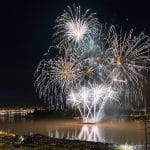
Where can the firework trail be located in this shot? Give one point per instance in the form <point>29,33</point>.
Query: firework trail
<point>91,101</point>
<point>92,66</point>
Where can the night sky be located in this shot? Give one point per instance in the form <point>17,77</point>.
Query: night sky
<point>27,26</point>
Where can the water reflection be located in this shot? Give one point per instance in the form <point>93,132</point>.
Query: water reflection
<point>110,132</point>
<point>11,118</point>
<point>89,133</point>
<point>95,133</point>
<point>85,133</point>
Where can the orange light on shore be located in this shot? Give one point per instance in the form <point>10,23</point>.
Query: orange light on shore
<point>6,133</point>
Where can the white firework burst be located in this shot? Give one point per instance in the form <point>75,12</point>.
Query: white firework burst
<point>91,101</point>
<point>75,26</point>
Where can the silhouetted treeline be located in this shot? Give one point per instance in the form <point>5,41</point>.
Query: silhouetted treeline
<point>68,113</point>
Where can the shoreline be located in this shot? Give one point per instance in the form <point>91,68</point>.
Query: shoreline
<point>42,142</point>
<point>10,141</point>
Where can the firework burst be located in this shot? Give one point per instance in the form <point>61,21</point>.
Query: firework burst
<point>129,56</point>
<point>66,72</point>
<point>91,101</point>
<point>92,66</point>
<point>56,76</point>
<point>128,59</point>
<point>75,26</point>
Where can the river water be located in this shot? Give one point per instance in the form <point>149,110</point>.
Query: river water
<point>118,132</point>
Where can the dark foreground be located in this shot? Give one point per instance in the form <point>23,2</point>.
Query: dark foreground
<point>40,142</point>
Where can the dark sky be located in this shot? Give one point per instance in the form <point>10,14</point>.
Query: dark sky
<point>26,27</point>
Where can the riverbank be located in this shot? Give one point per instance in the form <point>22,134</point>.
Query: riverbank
<point>41,142</point>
